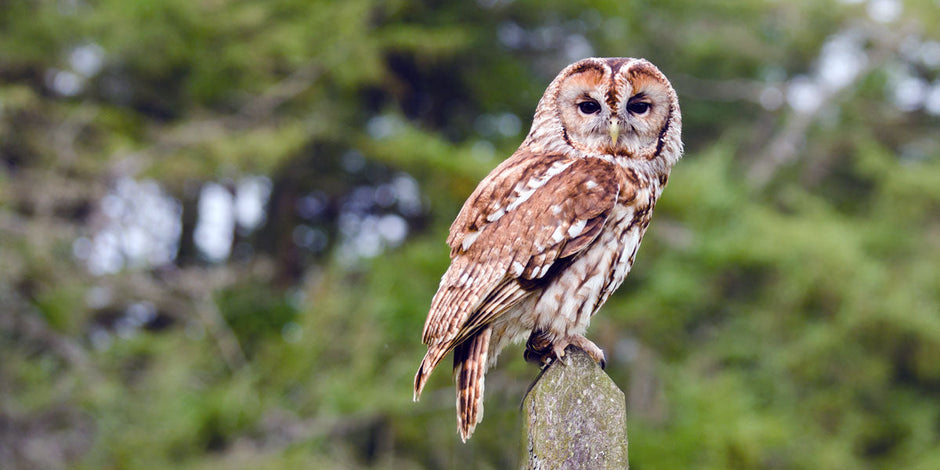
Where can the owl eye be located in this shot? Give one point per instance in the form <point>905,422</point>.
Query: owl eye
<point>638,107</point>
<point>589,107</point>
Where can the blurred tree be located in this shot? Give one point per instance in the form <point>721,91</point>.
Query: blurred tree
<point>221,223</point>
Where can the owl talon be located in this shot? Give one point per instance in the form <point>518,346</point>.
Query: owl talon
<point>559,351</point>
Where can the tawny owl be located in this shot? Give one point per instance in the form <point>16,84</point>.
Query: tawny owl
<point>552,231</point>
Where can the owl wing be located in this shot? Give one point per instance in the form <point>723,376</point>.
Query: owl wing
<point>526,221</point>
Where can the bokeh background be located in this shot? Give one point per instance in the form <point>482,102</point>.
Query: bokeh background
<point>222,221</point>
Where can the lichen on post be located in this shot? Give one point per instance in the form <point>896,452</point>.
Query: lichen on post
<point>575,417</point>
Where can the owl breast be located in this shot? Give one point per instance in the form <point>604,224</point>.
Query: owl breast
<point>566,305</point>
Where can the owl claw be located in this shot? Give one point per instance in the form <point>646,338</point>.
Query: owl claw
<point>559,350</point>
<point>542,350</point>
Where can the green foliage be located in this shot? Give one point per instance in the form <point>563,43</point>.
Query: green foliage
<point>254,312</point>
<point>785,321</point>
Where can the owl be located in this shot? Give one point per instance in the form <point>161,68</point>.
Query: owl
<point>553,230</point>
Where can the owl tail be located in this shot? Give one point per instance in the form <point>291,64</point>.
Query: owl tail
<point>469,366</point>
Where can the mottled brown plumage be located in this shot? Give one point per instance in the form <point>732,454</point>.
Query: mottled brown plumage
<point>552,231</point>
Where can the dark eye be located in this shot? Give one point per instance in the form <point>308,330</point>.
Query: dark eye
<point>638,107</point>
<point>589,107</point>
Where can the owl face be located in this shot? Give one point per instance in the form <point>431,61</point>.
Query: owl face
<point>617,106</point>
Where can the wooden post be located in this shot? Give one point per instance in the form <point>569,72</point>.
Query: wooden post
<point>575,417</point>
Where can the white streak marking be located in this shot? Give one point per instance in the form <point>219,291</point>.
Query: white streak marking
<point>537,183</point>
<point>517,268</point>
<point>590,184</point>
<point>524,196</point>
<point>468,240</point>
<point>576,229</point>
<point>556,209</point>
<point>558,235</point>
<point>494,216</point>
<point>629,243</point>
<point>545,269</point>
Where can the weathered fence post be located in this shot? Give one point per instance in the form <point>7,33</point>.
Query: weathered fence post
<point>575,417</point>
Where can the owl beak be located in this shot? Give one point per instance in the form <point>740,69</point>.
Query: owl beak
<point>614,131</point>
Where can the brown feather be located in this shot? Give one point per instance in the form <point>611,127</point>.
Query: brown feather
<point>556,205</point>
<point>469,368</point>
<point>430,361</point>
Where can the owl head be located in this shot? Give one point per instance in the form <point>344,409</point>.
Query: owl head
<point>622,107</point>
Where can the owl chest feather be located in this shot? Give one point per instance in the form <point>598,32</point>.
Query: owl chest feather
<point>568,303</point>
